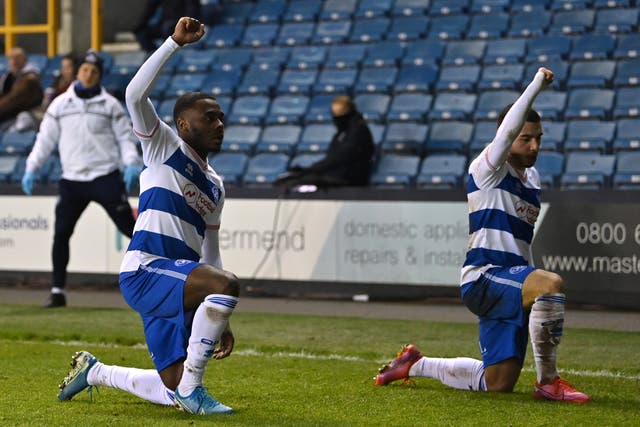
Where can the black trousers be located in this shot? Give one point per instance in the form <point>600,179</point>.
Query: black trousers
<point>73,199</point>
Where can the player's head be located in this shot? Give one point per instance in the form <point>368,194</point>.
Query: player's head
<point>342,107</point>
<point>198,118</point>
<point>524,150</point>
<point>90,69</point>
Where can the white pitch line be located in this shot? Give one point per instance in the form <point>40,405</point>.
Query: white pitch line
<point>302,354</point>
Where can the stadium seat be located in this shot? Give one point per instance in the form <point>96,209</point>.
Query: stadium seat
<point>458,78</point>
<point>490,6</point>
<point>259,81</point>
<point>572,22</point>
<point>453,106</point>
<point>14,142</point>
<point>416,78</point>
<point>338,10</point>
<point>128,62</point>
<point>627,137</point>
<point>553,135</point>
<point>409,107</point>
<point>241,138</point>
<point>373,106</point>
<point>7,165</point>
<point>165,110</point>
<point>589,135</point>
<point>529,5</point>
<point>263,169</point>
<point>346,56</point>
<point>448,27</point>
<point>616,20</point>
<point>221,82</point>
<point>441,172</point>
<point>378,132</point>
<point>376,80</point>
<point>550,166</point>
<point>297,81</point>
<point>304,57</point>
<point>560,72</point>
<point>448,7</point>
<point>271,56</point>
<point>627,47</point>
<point>287,109</point>
<point>257,35</point>
<point>569,5</point>
<point>332,32</point>
<point>404,137</point>
<point>224,35</point>
<point>410,7</point>
<point>18,172</point>
<point>395,171</point>
<point>316,138</point>
<point>265,12</point>
<point>295,33</point>
<point>183,83</point>
<point>54,171</point>
<point>545,47</point>
<point>230,166</point>
<point>449,137</point>
<point>483,134</point>
<point>530,23</point>
<point>488,25</point>
<point>279,139</point>
<point>602,4</point>
<point>592,47</point>
<point>369,30</point>
<point>319,108</point>
<point>424,52</point>
<point>232,59</point>
<point>627,176</point>
<point>551,104</point>
<point>236,12</point>
<point>302,11</point>
<point>466,52</point>
<point>627,73</point>
<point>249,110</point>
<point>407,28</point>
<point>491,103</point>
<point>505,51</point>
<point>587,171</point>
<point>497,77</point>
<point>160,87</point>
<point>590,104</point>
<point>591,74</point>
<point>385,54</point>
<point>305,160</point>
<point>335,81</point>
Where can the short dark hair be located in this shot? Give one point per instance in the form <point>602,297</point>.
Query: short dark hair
<point>532,115</point>
<point>186,101</point>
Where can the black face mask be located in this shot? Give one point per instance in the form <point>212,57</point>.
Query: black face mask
<point>341,122</point>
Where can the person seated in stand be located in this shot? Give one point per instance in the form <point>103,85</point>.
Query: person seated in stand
<point>20,93</point>
<point>158,19</point>
<point>62,81</point>
<point>349,159</point>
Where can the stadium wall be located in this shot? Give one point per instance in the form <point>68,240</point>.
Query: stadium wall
<point>399,247</point>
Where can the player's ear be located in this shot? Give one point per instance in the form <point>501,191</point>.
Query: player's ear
<point>182,125</point>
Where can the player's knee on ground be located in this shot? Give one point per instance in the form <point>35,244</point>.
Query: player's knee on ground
<point>554,284</point>
<point>231,285</point>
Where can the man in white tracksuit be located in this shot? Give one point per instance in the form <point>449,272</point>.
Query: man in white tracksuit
<point>94,138</point>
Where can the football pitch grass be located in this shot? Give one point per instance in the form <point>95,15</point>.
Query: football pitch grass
<point>294,370</point>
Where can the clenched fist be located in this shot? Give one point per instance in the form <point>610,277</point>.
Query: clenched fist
<point>188,30</point>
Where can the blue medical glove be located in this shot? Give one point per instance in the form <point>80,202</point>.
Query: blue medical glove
<point>131,175</point>
<point>28,179</point>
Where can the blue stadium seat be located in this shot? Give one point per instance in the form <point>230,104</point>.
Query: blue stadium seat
<point>597,74</point>
<point>229,59</point>
<point>241,138</point>
<point>531,23</point>
<point>404,137</point>
<point>302,11</point>
<point>627,138</point>
<point>319,108</point>
<point>19,170</point>
<point>221,82</point>
<point>297,81</point>
<point>165,110</point>
<point>416,78</point>
<point>616,20</point>
<point>505,51</point>
<point>627,176</point>
<point>332,32</point>
<point>395,171</point>
<point>458,78</point>
<point>407,28</point>
<point>448,7</point>
<point>551,104</point>
<point>236,12</point>
<point>53,170</point>
<point>466,52</point>
<point>183,83</point>
<point>195,61</point>
<point>230,166</point>
<point>483,134</point>
<point>305,160</point>
<point>553,135</point>
<point>316,138</point>
<point>225,103</point>
<point>259,81</point>
<point>488,25</point>
<point>627,73</point>
<point>627,46</point>
<point>8,165</point>
<point>410,7</point>
<point>589,135</point>
<point>128,62</point>
<point>373,106</point>
<point>335,80</point>
<point>547,47</point>
<point>378,80</point>
<point>295,33</point>
<point>441,172</point>
<point>449,137</point>
<point>448,27</point>
<point>559,67</point>
<point>590,104</point>
<point>490,6</point>
<point>453,106</point>
<point>14,142</point>
<point>260,34</point>
<point>378,132</point>
<point>550,167</point>
<point>587,171</point>
<point>369,30</point>
<point>385,54</point>
<point>224,35</point>
<point>409,107</point>
<point>289,109</point>
<point>424,52</point>
<point>265,12</point>
<point>572,22</point>
<point>627,103</point>
<point>249,110</point>
<point>500,77</point>
<point>491,103</point>
<point>279,139</point>
<point>159,89</point>
<point>270,56</point>
<point>304,57</point>
<point>570,5</point>
<point>263,169</point>
<point>592,47</point>
<point>346,56</point>
<point>529,5</point>
<point>338,10</point>
<point>602,4</point>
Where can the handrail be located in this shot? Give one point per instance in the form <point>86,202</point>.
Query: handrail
<point>10,28</point>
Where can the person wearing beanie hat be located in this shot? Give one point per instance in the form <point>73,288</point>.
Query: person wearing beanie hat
<point>93,135</point>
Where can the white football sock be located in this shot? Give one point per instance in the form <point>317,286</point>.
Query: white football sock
<point>545,329</point>
<point>462,373</point>
<point>144,383</point>
<point>210,320</point>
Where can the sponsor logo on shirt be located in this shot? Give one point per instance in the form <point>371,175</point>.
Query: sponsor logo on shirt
<point>197,200</point>
<point>527,212</point>
<point>181,262</point>
<point>517,269</point>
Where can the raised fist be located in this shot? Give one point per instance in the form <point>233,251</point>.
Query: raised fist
<point>188,30</point>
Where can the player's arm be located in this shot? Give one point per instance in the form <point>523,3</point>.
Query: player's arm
<point>511,126</point>
<point>121,127</point>
<point>211,248</point>
<point>46,141</point>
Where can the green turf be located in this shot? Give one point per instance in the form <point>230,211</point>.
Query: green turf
<point>303,370</point>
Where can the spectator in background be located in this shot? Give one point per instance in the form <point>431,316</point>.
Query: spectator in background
<point>348,160</point>
<point>62,81</point>
<point>159,19</point>
<point>21,92</point>
<point>94,138</point>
